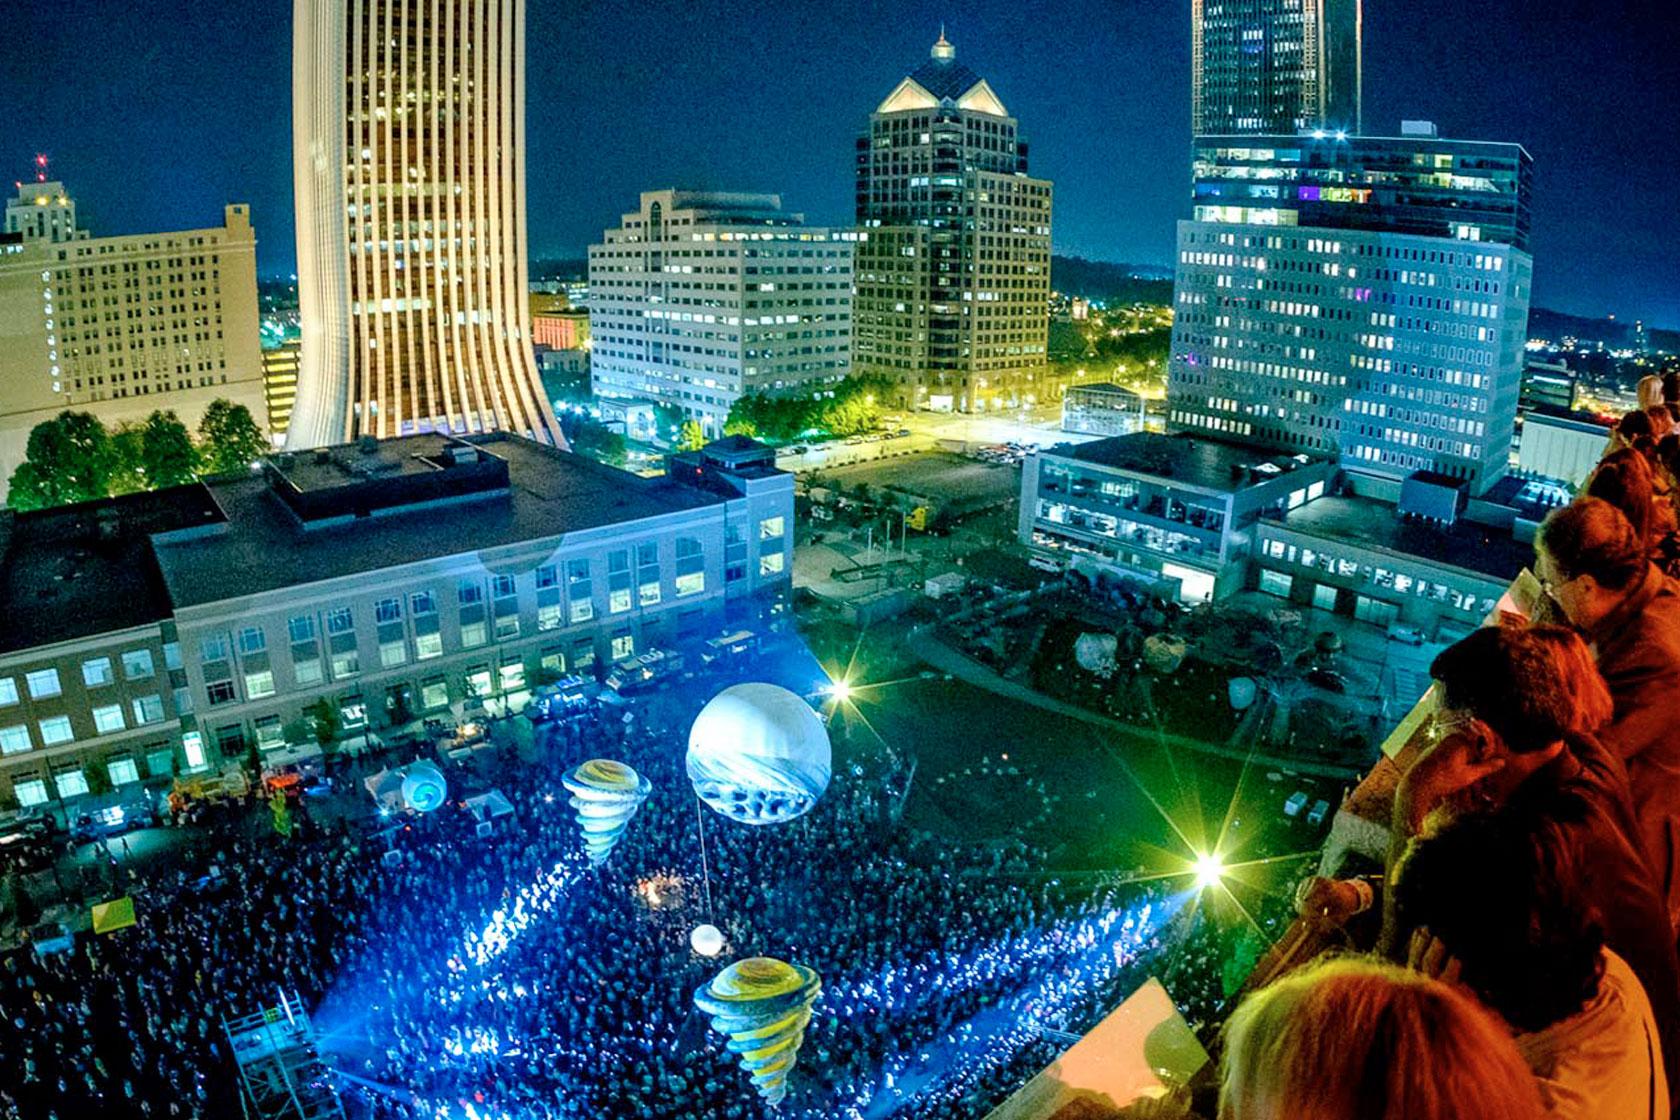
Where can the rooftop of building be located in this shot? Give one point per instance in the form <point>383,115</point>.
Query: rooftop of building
<point>1340,142</point>
<point>1190,459</point>
<point>1104,388</point>
<point>1370,523</point>
<point>544,493</point>
<point>1568,418</point>
<point>88,568</point>
<point>942,80</point>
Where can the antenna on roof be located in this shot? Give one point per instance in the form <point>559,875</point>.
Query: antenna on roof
<point>40,168</point>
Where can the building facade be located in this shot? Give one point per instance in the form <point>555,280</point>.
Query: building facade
<point>1102,409</point>
<point>42,211</point>
<point>1382,318</point>
<point>1270,66</point>
<point>701,297</point>
<point>1177,508</point>
<point>1560,444</point>
<point>953,283</point>
<point>124,326</point>
<point>409,175</point>
<point>280,378</point>
<point>169,632</point>
<point>1354,556</point>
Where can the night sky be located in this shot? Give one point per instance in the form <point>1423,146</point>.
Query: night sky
<point>156,113</point>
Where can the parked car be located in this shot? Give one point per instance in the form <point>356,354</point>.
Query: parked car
<point>1410,635</point>
<point>113,820</point>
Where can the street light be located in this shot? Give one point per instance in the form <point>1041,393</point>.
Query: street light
<point>1210,870</point>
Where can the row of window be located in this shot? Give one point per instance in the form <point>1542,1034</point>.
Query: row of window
<point>43,684</point>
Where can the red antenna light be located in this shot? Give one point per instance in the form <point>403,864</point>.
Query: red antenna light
<point>40,168</point>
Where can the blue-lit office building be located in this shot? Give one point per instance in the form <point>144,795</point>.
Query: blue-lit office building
<point>1360,297</point>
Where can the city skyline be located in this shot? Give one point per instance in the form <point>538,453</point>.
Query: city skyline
<point>694,107</point>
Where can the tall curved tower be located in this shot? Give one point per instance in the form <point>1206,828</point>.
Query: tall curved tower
<point>408,132</point>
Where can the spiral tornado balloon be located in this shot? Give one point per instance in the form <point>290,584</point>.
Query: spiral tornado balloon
<point>763,1005</point>
<point>606,794</point>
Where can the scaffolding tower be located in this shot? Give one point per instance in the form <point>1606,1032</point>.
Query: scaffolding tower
<point>280,1067</point>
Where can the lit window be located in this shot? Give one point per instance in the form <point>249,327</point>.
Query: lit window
<point>108,718</point>
<point>771,563</point>
<point>70,783</point>
<point>14,740</point>
<point>259,684</point>
<point>30,793</point>
<point>513,676</point>
<point>137,664</point>
<point>427,646</point>
<point>8,691</point>
<point>56,730</point>
<point>346,663</point>
<point>43,683</point>
<point>434,694</point>
<point>474,634</point>
<point>770,528</point>
<point>148,709</point>
<point>123,771</point>
<point>392,654</point>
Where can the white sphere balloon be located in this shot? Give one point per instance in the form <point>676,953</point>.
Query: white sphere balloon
<point>707,940</point>
<point>759,754</point>
<point>424,787</point>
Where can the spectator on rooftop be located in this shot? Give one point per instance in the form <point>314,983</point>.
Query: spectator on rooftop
<point>1592,563</point>
<point>1355,1039</point>
<point>1514,735</point>
<point>1501,911</point>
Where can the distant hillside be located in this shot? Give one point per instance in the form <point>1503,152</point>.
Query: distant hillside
<point>1111,283</point>
<point>1615,334</point>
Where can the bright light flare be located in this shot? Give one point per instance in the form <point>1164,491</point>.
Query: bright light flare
<point>1210,870</point>
<point>841,690</point>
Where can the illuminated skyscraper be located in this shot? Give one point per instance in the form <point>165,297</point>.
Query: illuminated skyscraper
<point>1275,66</point>
<point>409,165</point>
<point>953,279</point>
<point>1364,297</point>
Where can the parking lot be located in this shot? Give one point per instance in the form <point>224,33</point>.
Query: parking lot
<point>953,481</point>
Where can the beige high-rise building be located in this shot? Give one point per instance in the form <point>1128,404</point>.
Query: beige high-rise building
<point>124,326</point>
<point>409,163</point>
<point>953,281</point>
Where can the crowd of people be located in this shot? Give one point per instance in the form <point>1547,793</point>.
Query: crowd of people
<point>1520,959</point>
<point>450,971</point>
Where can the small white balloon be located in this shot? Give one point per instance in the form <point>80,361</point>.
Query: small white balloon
<point>707,940</point>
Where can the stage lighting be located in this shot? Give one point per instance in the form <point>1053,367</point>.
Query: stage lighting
<point>841,691</point>
<point>1209,870</point>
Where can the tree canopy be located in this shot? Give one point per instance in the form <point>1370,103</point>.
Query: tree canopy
<point>851,407</point>
<point>229,438</point>
<point>74,458</point>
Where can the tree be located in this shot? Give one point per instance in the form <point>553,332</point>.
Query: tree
<point>69,459</point>
<point>326,721</point>
<point>692,437</point>
<point>167,452</point>
<point>740,426</point>
<point>229,439</point>
<point>128,468</point>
